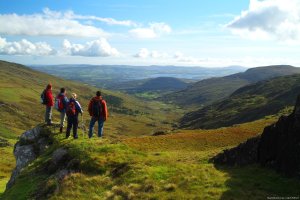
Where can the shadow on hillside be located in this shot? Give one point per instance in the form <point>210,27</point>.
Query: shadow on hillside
<point>255,182</point>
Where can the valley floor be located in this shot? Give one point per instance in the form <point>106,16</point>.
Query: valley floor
<point>173,166</point>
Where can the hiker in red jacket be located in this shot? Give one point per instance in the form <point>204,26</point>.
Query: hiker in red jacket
<point>98,111</point>
<point>49,104</point>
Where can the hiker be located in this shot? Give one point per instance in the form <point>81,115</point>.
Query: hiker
<point>72,111</point>
<point>61,105</point>
<point>47,99</point>
<point>98,112</point>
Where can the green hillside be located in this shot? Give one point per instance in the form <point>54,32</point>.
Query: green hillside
<point>152,88</point>
<point>128,163</point>
<point>20,109</point>
<point>248,103</point>
<point>174,166</point>
<point>20,89</point>
<point>210,90</point>
<point>166,84</point>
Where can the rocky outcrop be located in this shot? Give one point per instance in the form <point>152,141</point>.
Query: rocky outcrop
<point>244,154</point>
<point>32,143</point>
<point>59,163</point>
<point>278,147</point>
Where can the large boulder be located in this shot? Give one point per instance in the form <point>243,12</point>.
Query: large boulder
<point>31,144</point>
<point>278,147</point>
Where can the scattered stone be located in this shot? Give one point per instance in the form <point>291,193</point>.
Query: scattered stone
<point>74,164</point>
<point>43,144</point>
<point>157,133</point>
<point>119,170</point>
<point>59,160</point>
<point>148,188</point>
<point>59,156</point>
<point>170,187</point>
<point>60,175</point>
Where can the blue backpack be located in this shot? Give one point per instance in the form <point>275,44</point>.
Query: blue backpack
<point>43,98</point>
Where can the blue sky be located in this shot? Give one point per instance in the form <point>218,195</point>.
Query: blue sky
<point>156,32</point>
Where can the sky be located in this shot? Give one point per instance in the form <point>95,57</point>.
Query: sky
<point>211,33</point>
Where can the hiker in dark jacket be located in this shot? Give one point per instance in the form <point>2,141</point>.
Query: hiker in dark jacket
<point>72,110</point>
<point>98,112</point>
<point>61,102</point>
<point>49,104</point>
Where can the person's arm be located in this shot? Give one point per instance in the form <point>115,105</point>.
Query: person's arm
<point>105,111</point>
<point>65,101</point>
<point>78,107</point>
<point>90,107</point>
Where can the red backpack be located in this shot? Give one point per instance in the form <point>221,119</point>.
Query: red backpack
<point>59,105</point>
<point>71,109</point>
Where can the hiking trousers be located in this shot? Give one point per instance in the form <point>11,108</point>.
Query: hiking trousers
<point>62,118</point>
<point>72,122</point>
<point>100,126</point>
<point>48,115</point>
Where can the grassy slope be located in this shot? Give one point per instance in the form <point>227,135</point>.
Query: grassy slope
<point>210,90</point>
<point>172,166</point>
<point>20,109</point>
<point>247,104</point>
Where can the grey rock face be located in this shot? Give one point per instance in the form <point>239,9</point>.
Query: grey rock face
<point>24,155</point>
<point>31,144</point>
<point>278,147</point>
<point>60,159</point>
<point>30,136</point>
<point>243,154</point>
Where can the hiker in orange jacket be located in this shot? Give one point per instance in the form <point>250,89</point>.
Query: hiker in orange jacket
<point>98,112</point>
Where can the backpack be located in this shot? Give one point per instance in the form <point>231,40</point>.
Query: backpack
<point>97,108</point>
<point>71,109</point>
<point>59,105</point>
<point>43,98</point>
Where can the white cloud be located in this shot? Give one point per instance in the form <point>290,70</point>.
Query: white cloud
<point>180,57</point>
<point>153,31</point>
<point>109,21</point>
<point>269,19</point>
<point>25,47</point>
<point>71,15</point>
<point>145,53</point>
<point>96,48</point>
<point>55,23</point>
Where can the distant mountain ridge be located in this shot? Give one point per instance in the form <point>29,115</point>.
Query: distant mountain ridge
<point>246,104</point>
<point>107,76</point>
<point>207,91</point>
